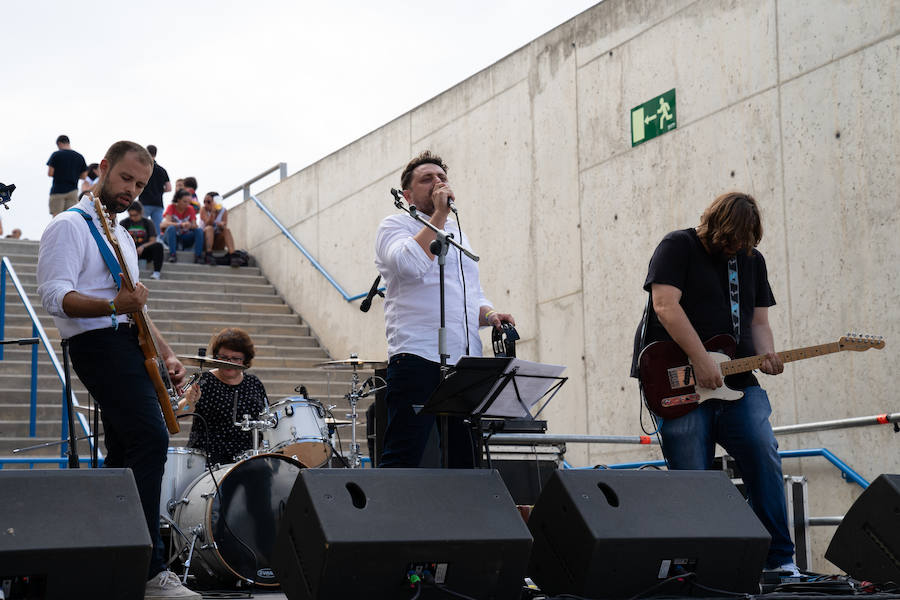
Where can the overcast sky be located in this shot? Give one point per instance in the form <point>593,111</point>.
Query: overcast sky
<point>228,89</point>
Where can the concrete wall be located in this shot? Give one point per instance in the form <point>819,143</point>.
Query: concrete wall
<point>794,102</point>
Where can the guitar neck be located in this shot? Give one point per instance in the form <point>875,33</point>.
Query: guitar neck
<point>742,365</point>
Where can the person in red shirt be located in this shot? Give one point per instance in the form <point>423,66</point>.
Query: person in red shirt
<point>179,224</point>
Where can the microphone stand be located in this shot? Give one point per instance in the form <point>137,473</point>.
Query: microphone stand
<point>439,248</point>
<point>72,451</point>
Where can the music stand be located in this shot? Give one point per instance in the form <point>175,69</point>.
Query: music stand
<point>480,387</point>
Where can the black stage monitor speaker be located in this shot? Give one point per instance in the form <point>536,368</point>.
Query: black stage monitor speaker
<point>76,533</point>
<point>867,543</point>
<point>614,534</point>
<point>361,533</point>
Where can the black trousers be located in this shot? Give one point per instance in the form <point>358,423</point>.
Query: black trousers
<point>153,252</point>
<point>111,366</point>
<point>410,380</point>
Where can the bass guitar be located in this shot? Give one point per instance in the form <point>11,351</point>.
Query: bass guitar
<point>153,362</point>
<point>667,376</point>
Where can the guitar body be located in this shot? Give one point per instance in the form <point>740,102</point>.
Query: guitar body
<point>668,381</point>
<point>668,378</point>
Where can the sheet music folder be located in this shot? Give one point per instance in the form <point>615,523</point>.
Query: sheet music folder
<point>494,387</point>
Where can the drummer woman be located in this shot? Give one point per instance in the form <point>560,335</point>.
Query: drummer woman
<point>223,396</point>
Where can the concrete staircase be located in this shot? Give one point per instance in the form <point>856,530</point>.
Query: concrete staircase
<point>188,305</point>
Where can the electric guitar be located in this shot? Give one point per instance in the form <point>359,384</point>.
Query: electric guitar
<point>667,376</point>
<point>153,362</point>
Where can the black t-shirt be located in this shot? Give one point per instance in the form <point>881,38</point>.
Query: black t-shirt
<point>153,191</point>
<point>141,230</point>
<point>68,166</point>
<point>680,260</point>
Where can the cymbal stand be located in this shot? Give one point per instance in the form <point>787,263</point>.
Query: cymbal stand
<point>353,398</point>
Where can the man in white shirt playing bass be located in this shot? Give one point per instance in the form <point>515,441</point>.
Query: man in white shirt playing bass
<point>77,287</point>
<point>412,314</point>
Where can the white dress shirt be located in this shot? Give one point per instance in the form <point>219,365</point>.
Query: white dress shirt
<point>412,303</point>
<point>69,260</point>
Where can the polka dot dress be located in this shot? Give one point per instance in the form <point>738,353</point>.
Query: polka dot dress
<point>222,405</point>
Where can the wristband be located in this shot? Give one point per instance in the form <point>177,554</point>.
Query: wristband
<point>113,316</point>
<point>488,314</point>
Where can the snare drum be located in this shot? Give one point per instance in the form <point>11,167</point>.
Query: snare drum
<point>300,431</point>
<point>236,526</point>
<point>183,465</point>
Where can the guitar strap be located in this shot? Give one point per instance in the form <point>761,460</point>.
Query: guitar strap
<point>734,292</point>
<point>111,263</point>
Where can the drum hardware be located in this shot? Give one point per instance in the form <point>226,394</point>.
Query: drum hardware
<point>356,393</point>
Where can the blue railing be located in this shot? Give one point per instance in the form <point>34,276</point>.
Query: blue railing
<point>305,253</point>
<point>847,473</point>
<point>37,331</point>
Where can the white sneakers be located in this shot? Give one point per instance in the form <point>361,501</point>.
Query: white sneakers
<point>166,584</point>
<point>154,275</point>
<point>788,570</point>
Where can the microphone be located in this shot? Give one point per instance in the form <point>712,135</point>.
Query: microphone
<point>367,303</point>
<point>451,205</point>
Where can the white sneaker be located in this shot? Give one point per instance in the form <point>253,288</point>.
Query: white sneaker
<point>166,584</point>
<point>154,275</point>
<point>787,570</point>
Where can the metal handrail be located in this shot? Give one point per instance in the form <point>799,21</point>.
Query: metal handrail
<point>847,473</point>
<point>37,329</point>
<point>306,253</point>
<point>551,438</point>
<point>282,173</point>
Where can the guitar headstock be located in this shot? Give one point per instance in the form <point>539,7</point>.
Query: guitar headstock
<point>859,342</point>
<point>104,219</point>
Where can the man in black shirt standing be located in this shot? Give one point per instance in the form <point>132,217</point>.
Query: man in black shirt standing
<point>709,281</point>
<point>66,167</point>
<point>152,196</point>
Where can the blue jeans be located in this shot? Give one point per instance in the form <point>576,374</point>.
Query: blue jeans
<point>742,428</point>
<point>155,214</point>
<point>110,364</point>
<point>193,236</point>
<point>410,380</point>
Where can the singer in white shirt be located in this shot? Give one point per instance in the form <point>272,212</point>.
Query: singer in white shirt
<point>412,314</point>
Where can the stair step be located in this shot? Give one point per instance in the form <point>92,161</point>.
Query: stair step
<point>188,304</point>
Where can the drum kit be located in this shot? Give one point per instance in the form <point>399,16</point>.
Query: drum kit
<point>227,515</point>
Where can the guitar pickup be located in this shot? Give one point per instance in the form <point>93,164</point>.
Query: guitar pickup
<point>679,400</point>
<point>680,377</point>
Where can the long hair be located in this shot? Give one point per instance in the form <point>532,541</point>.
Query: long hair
<point>732,218</point>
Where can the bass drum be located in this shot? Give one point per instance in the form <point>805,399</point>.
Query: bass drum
<point>237,525</point>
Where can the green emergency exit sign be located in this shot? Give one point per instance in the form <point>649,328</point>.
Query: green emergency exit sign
<point>653,118</point>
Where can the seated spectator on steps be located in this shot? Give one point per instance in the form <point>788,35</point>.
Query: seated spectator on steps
<point>143,231</point>
<point>93,174</point>
<point>179,224</point>
<point>16,234</point>
<point>190,184</point>
<point>214,220</point>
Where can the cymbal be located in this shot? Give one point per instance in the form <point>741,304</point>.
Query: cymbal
<point>85,409</point>
<point>336,422</point>
<point>347,364</point>
<point>208,362</point>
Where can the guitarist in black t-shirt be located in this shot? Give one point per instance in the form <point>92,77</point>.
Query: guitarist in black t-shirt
<point>705,282</point>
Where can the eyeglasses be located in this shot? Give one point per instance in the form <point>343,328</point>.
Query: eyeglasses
<point>233,359</point>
